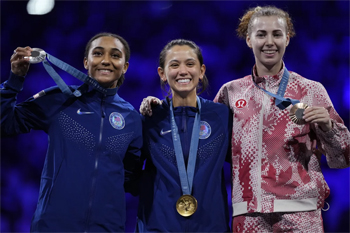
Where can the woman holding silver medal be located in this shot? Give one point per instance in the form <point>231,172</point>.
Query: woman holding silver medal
<point>278,185</point>
<point>95,138</point>
<point>186,142</point>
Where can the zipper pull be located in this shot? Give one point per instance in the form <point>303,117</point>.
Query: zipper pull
<point>103,111</point>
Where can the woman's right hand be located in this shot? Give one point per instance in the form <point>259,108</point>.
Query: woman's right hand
<point>20,61</point>
<point>146,105</point>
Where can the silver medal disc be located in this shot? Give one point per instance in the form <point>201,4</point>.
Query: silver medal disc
<point>37,56</point>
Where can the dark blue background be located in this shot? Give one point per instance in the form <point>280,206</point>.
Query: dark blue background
<point>320,51</point>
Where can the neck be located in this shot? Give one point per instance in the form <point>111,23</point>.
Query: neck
<point>189,100</point>
<point>262,70</point>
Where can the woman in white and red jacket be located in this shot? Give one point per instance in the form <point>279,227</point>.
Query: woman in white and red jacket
<point>278,184</point>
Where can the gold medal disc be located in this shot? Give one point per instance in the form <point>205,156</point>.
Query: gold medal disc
<point>186,205</point>
<point>297,112</point>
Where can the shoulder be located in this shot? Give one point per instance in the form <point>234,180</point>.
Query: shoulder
<point>236,85</point>
<point>53,92</point>
<point>160,113</point>
<point>124,104</point>
<point>302,81</point>
<point>209,105</point>
<point>237,81</point>
<point>218,111</point>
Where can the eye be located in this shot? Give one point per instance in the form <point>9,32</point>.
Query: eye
<point>174,65</point>
<point>260,35</point>
<point>278,34</point>
<point>190,64</point>
<point>97,53</point>
<point>116,55</point>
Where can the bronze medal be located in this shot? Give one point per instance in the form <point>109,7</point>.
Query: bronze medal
<point>297,112</point>
<point>186,205</point>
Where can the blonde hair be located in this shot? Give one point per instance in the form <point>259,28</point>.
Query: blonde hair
<point>244,27</point>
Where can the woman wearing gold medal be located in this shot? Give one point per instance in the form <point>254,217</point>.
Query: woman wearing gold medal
<point>186,142</point>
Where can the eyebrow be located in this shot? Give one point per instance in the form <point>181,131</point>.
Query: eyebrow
<point>99,47</point>
<point>189,59</point>
<point>262,30</point>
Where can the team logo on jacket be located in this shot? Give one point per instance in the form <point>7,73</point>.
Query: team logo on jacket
<point>241,103</point>
<point>117,120</point>
<point>204,130</point>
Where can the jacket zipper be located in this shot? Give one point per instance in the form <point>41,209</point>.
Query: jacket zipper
<point>94,177</point>
<point>260,139</point>
<point>185,138</point>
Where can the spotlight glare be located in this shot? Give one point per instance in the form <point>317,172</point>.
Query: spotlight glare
<point>40,7</point>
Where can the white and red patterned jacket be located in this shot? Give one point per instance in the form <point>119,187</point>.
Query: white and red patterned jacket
<point>275,162</point>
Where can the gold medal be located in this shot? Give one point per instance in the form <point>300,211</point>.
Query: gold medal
<point>186,205</point>
<point>297,112</point>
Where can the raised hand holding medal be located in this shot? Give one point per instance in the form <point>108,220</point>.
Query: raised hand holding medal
<point>20,61</point>
<point>319,115</point>
<point>22,57</point>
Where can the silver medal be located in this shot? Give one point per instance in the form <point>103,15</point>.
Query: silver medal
<point>37,56</point>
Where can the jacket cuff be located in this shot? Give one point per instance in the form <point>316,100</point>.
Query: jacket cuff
<point>329,134</point>
<point>15,82</point>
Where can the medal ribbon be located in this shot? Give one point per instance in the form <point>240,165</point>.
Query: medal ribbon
<point>74,72</point>
<point>186,177</point>
<point>280,101</point>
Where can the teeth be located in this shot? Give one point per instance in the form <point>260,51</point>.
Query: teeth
<point>269,51</point>
<point>183,80</point>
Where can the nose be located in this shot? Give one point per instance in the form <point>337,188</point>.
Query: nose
<point>269,39</point>
<point>106,59</point>
<point>183,70</point>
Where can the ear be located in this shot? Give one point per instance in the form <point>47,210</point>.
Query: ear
<point>203,69</point>
<point>249,43</point>
<point>85,63</point>
<point>288,38</point>
<point>161,74</point>
<point>125,68</point>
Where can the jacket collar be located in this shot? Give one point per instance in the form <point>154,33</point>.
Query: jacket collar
<point>270,79</point>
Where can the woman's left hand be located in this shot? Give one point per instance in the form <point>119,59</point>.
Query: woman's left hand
<point>318,115</point>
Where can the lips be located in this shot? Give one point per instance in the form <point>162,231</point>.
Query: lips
<point>104,71</point>
<point>269,51</point>
<point>185,80</point>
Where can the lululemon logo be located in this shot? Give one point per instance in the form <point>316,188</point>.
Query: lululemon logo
<point>241,103</point>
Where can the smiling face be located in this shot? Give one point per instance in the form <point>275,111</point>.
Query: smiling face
<point>106,61</point>
<point>182,71</point>
<point>268,39</point>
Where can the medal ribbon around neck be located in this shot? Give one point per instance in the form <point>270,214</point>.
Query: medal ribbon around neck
<point>186,177</point>
<point>280,101</point>
<point>45,58</point>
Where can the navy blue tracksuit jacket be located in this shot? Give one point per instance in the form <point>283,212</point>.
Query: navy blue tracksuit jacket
<point>94,145</point>
<point>160,185</point>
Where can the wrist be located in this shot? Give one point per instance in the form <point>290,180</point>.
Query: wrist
<point>326,127</point>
